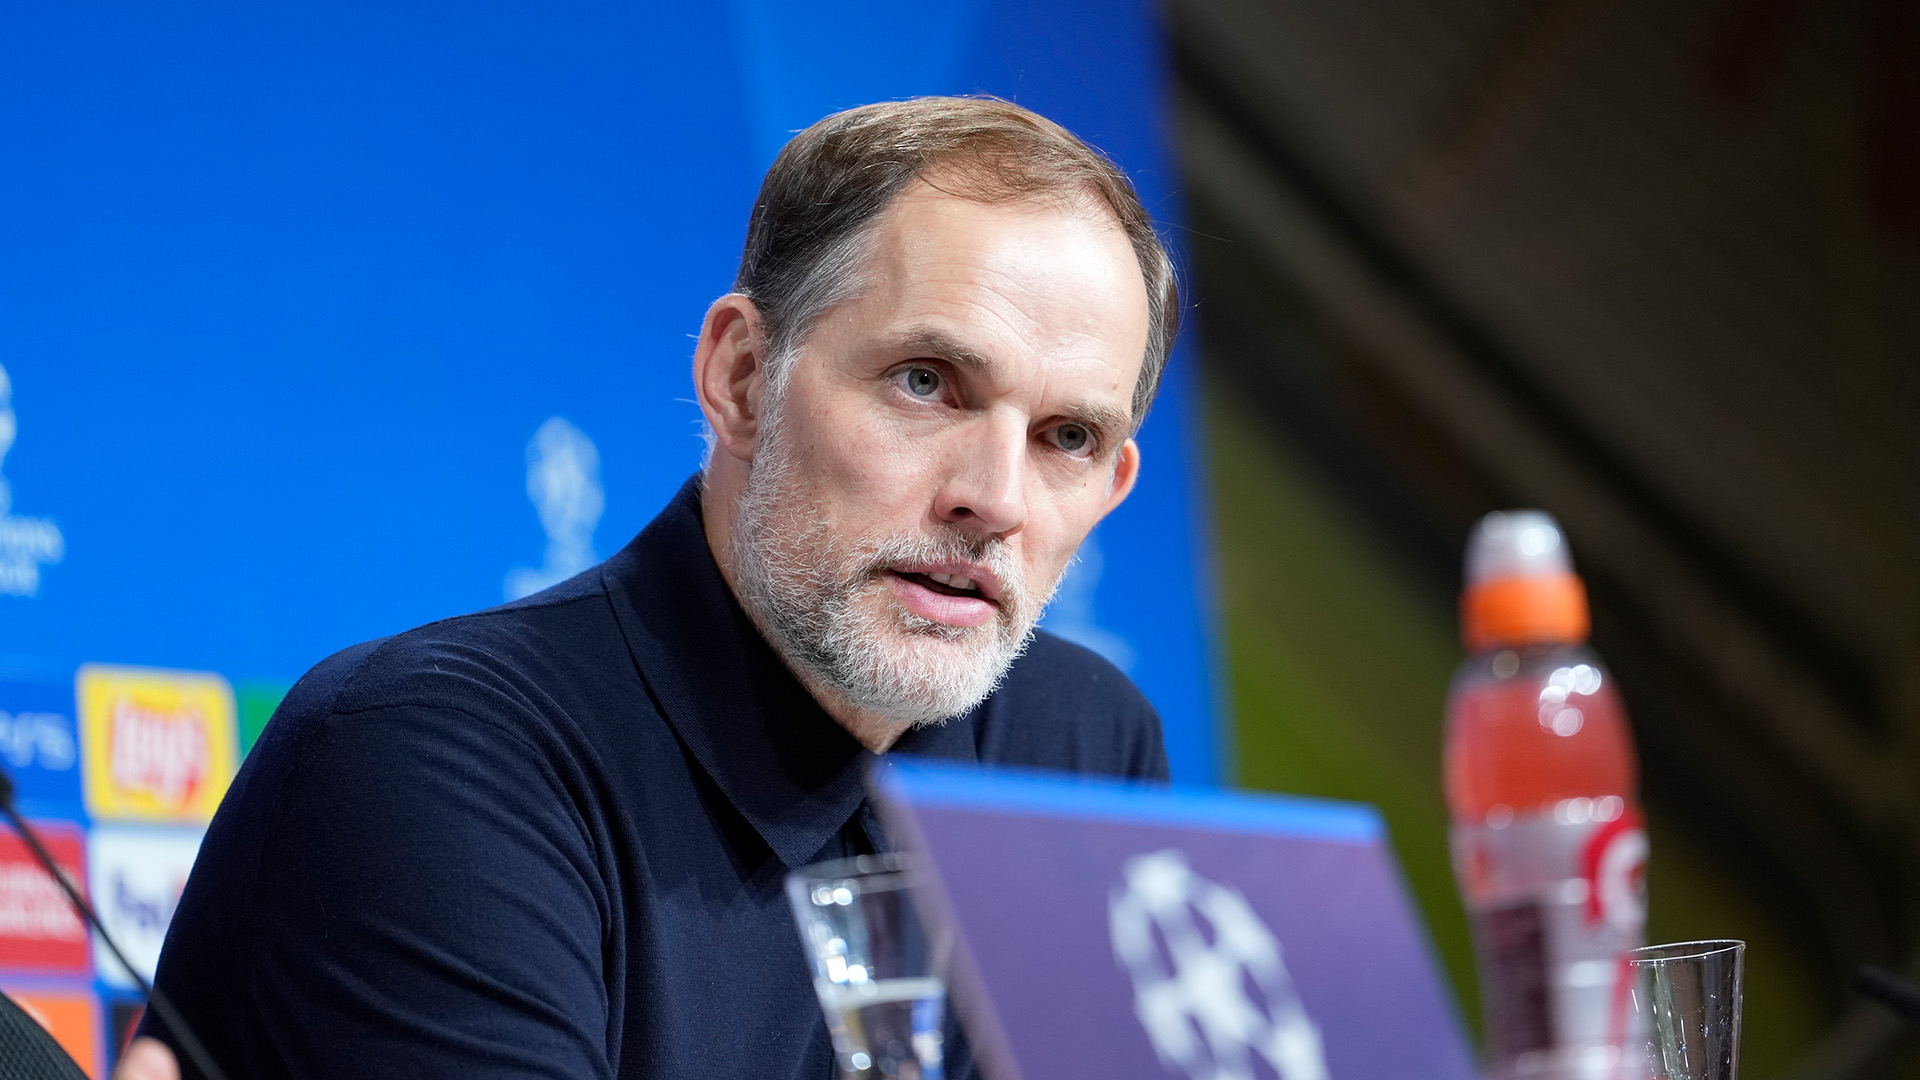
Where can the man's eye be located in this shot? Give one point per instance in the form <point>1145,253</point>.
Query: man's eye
<point>1072,438</point>
<point>921,381</point>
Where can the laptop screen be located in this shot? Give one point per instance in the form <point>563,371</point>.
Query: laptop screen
<point>1113,930</point>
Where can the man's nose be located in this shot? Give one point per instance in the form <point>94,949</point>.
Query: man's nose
<point>986,486</point>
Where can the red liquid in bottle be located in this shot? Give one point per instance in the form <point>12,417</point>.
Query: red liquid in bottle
<point>1548,844</point>
<point>1509,744</point>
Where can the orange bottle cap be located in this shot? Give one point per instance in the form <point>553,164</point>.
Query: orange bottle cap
<point>1516,611</point>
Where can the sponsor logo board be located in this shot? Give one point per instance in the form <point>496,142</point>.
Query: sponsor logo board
<point>257,700</point>
<point>71,1016</point>
<point>40,748</point>
<point>39,931</point>
<point>137,874</point>
<point>159,744</point>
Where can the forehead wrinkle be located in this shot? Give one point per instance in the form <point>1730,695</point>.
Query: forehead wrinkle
<point>979,307</point>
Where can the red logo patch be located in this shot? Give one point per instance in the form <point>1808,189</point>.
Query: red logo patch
<point>39,930</point>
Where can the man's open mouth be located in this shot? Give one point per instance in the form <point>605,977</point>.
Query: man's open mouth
<point>946,584</point>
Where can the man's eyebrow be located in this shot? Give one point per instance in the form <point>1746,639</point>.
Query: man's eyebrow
<point>939,345</point>
<point>1104,419</point>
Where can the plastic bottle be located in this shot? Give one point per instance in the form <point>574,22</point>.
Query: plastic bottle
<point>1548,843</point>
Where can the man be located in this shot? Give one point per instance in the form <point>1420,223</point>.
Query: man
<point>550,839</point>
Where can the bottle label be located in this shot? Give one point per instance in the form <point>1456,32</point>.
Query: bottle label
<point>1556,900</point>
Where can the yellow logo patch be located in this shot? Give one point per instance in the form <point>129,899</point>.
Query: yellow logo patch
<point>159,745</point>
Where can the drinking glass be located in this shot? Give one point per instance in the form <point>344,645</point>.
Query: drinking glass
<point>1688,997</point>
<point>879,974</point>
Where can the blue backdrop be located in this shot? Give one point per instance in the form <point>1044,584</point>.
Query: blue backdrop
<point>286,291</point>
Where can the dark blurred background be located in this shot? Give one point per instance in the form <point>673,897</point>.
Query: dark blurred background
<point>1655,267</point>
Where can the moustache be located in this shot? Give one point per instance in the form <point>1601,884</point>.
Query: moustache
<point>876,557</point>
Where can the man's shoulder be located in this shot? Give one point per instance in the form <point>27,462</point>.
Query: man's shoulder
<point>1053,667</point>
<point>504,696</point>
<point>1064,706</point>
<point>477,663</point>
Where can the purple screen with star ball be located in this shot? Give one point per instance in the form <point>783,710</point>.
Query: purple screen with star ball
<point>1030,867</point>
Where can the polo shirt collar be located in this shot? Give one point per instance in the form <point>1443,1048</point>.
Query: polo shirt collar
<point>794,773</point>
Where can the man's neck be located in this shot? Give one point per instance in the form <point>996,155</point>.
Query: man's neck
<point>719,498</point>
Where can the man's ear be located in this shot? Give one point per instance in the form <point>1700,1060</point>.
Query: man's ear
<point>729,376</point>
<point>1126,471</point>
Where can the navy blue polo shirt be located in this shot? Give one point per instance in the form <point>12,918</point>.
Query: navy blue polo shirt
<point>549,839</point>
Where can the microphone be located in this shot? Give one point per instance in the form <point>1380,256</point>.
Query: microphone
<point>196,1052</point>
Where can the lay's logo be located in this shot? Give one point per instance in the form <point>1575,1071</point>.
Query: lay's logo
<point>159,744</point>
<point>160,751</point>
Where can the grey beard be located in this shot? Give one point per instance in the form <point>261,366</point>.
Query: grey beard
<point>804,585</point>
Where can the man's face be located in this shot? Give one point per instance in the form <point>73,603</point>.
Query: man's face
<point>941,447</point>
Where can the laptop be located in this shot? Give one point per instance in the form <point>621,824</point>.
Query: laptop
<point>1111,930</point>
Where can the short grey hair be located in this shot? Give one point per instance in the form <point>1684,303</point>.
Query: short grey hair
<point>809,239</point>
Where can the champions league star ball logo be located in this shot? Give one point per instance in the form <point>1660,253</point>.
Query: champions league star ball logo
<point>1208,982</point>
<point>563,480</point>
<point>26,543</point>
